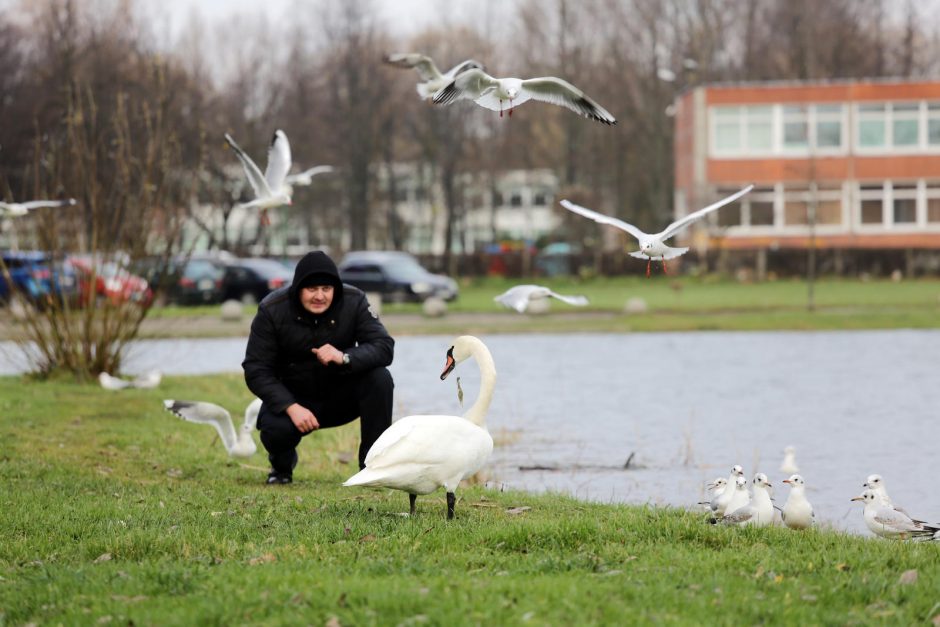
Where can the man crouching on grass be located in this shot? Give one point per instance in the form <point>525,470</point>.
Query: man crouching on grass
<point>317,357</point>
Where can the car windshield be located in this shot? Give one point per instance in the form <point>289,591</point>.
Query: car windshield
<point>406,270</point>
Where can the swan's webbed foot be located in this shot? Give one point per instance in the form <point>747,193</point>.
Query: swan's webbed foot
<point>411,499</point>
<point>451,501</point>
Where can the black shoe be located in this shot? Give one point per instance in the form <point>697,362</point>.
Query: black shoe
<point>276,478</point>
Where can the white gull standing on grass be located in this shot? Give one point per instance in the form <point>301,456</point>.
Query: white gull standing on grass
<point>652,246</point>
<point>738,497</point>
<point>797,512</point>
<point>240,445</point>
<point>499,93</point>
<point>270,189</point>
<point>759,512</point>
<point>716,486</point>
<point>519,297</point>
<point>876,484</point>
<point>19,209</point>
<point>720,503</point>
<point>887,522</point>
<point>432,79</point>
<point>146,381</point>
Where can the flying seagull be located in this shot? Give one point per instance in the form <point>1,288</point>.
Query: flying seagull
<point>492,93</point>
<point>146,381</point>
<point>240,445</point>
<point>19,209</point>
<point>519,296</point>
<point>652,246</point>
<point>270,190</point>
<point>432,79</point>
<point>306,177</point>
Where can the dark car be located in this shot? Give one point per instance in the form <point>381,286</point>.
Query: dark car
<point>36,277</point>
<point>186,281</point>
<point>396,275</point>
<point>250,279</point>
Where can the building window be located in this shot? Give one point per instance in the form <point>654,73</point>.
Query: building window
<point>933,123</point>
<point>905,124</point>
<point>515,200</point>
<point>760,136</point>
<point>497,199</point>
<point>728,129</point>
<point>795,127</point>
<point>729,215</point>
<point>871,201</point>
<point>540,199</point>
<point>828,126</point>
<point>904,204</point>
<point>933,202</point>
<point>872,126</point>
<point>762,211</point>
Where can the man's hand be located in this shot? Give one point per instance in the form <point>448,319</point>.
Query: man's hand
<point>328,354</point>
<point>302,418</point>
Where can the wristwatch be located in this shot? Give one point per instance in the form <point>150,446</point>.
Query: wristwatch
<point>345,359</point>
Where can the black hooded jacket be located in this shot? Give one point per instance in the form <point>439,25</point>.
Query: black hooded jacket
<point>279,365</point>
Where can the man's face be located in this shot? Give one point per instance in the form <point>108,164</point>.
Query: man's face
<point>316,298</point>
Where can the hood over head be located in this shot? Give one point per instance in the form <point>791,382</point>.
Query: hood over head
<point>316,268</point>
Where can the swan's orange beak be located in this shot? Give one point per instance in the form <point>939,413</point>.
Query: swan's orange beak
<point>450,363</point>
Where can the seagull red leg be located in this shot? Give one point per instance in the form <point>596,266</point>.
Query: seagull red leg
<point>500,107</point>
<point>265,220</point>
<point>665,270</point>
<point>648,262</point>
<point>510,107</point>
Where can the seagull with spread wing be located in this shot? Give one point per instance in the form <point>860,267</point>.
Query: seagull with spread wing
<point>498,93</point>
<point>241,444</point>
<point>519,296</point>
<point>270,188</point>
<point>146,381</point>
<point>19,209</point>
<point>432,79</point>
<point>306,177</point>
<point>652,246</point>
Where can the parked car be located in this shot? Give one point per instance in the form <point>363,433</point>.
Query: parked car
<point>100,278</point>
<point>396,275</point>
<point>250,279</point>
<point>37,278</point>
<point>186,281</point>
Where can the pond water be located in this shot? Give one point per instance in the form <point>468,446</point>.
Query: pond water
<point>685,406</point>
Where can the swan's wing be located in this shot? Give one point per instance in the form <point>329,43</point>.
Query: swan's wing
<point>680,224</point>
<point>148,380</point>
<point>37,204</point>
<point>559,92</point>
<point>578,301</point>
<point>205,413</point>
<point>460,68</point>
<point>279,161</point>
<point>391,437</point>
<point>602,219</point>
<point>251,414</point>
<point>417,440</point>
<point>469,85</point>
<point>304,177</point>
<point>422,64</point>
<point>258,184</point>
<point>112,383</point>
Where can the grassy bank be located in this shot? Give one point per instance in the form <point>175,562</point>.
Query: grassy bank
<point>115,511</point>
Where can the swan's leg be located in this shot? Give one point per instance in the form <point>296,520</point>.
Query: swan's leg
<point>411,498</point>
<point>451,501</point>
<point>648,262</point>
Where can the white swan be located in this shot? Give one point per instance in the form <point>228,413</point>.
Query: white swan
<point>241,445</point>
<point>419,454</point>
<point>146,381</point>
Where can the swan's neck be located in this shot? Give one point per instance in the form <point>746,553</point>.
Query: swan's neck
<point>477,413</point>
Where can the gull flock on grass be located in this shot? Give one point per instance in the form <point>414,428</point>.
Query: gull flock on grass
<point>652,245</point>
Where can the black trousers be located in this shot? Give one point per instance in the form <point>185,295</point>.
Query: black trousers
<point>367,396</point>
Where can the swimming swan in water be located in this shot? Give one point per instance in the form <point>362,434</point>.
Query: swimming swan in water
<point>419,454</point>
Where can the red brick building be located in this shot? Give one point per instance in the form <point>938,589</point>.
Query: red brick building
<point>864,154</point>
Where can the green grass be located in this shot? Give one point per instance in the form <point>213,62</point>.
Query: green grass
<point>114,510</point>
